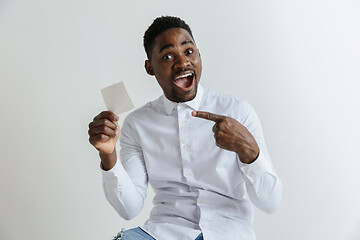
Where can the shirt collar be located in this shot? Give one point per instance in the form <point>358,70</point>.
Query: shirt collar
<point>194,104</point>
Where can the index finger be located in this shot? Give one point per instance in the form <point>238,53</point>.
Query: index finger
<point>208,115</point>
<point>107,114</point>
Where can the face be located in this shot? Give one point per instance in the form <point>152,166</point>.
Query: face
<point>176,64</point>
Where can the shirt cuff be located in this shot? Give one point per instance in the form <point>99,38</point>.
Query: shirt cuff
<point>254,171</point>
<point>114,174</point>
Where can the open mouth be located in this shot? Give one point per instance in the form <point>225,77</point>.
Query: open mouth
<point>185,80</point>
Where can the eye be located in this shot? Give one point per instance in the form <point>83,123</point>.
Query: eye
<point>189,51</point>
<point>167,57</point>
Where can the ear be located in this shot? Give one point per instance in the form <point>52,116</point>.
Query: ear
<point>148,68</point>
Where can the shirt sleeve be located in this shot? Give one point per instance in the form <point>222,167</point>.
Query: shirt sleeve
<point>262,183</point>
<point>125,185</point>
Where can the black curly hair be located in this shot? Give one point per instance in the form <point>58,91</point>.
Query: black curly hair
<point>160,25</point>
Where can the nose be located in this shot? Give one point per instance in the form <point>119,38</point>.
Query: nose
<point>182,61</point>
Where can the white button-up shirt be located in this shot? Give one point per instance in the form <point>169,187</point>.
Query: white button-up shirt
<point>199,187</point>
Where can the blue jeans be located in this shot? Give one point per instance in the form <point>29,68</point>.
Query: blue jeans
<point>139,234</point>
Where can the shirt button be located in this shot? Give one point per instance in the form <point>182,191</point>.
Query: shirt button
<point>188,174</point>
<point>184,147</point>
<point>248,171</point>
<point>203,225</point>
<point>201,201</point>
<point>182,122</point>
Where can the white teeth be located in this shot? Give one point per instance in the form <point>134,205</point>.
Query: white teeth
<point>184,76</point>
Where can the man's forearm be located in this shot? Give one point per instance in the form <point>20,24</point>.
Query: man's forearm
<point>108,161</point>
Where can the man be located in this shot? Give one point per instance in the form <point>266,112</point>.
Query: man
<point>206,167</point>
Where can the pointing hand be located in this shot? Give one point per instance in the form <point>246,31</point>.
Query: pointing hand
<point>231,135</point>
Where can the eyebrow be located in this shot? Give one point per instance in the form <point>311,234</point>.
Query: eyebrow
<point>172,45</point>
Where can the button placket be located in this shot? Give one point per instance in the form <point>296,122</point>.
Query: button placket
<point>182,116</point>
<point>183,140</point>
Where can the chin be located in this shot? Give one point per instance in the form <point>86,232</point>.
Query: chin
<point>187,97</point>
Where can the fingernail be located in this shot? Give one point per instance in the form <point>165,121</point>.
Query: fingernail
<point>116,118</point>
<point>193,113</point>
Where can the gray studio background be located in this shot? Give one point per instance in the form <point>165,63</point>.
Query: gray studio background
<point>296,62</point>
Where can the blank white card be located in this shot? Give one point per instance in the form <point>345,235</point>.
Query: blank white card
<point>117,99</point>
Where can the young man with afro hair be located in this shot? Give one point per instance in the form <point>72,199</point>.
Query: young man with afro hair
<point>202,152</point>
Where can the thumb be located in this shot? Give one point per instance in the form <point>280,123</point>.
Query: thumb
<point>117,130</point>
